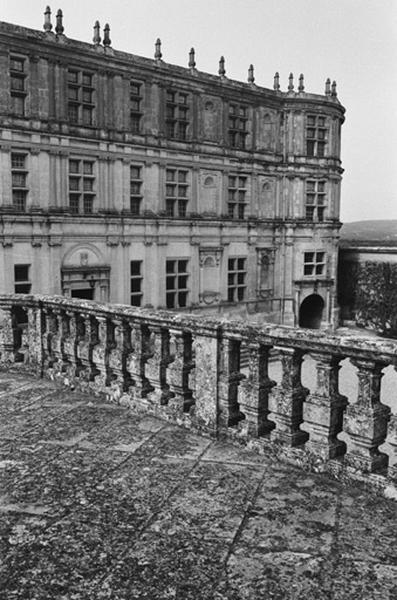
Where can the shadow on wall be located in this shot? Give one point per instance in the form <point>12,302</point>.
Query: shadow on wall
<point>311,312</point>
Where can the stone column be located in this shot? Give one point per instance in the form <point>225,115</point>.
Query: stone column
<point>120,380</point>
<point>47,337</point>
<point>253,393</point>
<point>228,382</point>
<point>323,409</point>
<point>177,371</point>
<point>136,366</point>
<point>87,339</point>
<point>156,351</point>
<point>286,400</point>
<point>366,420</point>
<point>35,348</point>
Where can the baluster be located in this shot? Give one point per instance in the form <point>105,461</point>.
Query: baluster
<point>203,381</point>
<point>177,371</point>
<point>392,439</point>
<point>100,339</point>
<point>253,393</point>
<point>229,379</point>
<point>157,352</point>
<point>71,338</point>
<point>366,420</point>
<point>57,342</point>
<point>323,409</point>
<point>8,337</point>
<point>120,379</point>
<point>286,400</point>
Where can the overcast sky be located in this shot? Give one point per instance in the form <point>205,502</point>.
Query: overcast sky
<point>351,41</point>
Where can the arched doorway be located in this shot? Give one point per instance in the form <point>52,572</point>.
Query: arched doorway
<point>311,312</point>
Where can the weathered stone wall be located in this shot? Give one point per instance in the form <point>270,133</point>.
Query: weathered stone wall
<point>187,369</point>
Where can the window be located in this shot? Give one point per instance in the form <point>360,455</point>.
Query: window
<point>22,281</point>
<point>18,85</point>
<point>135,106</point>
<point>315,200</point>
<point>237,196</point>
<point>236,279</point>
<point>314,263</point>
<point>177,115</point>
<point>81,186</point>
<point>237,125</point>
<point>176,192</point>
<point>177,283</point>
<point>135,189</point>
<point>136,282</point>
<point>80,97</point>
<point>316,136</point>
<point>19,175</point>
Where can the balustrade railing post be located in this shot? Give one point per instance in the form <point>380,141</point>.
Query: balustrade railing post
<point>86,371</point>
<point>71,339</point>
<point>136,365</point>
<point>156,355</point>
<point>203,380</point>
<point>177,371</point>
<point>35,329</point>
<point>323,409</point>
<point>366,420</point>
<point>286,400</point>
<point>228,383</point>
<point>47,337</point>
<point>8,340</point>
<point>100,353</point>
<point>253,393</point>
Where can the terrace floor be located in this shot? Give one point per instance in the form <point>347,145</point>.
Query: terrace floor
<point>97,503</point>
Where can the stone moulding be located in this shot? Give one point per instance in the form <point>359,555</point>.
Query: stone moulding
<point>190,369</point>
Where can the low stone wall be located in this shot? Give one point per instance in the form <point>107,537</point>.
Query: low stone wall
<point>187,369</point>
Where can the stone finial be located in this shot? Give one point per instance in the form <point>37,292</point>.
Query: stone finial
<point>47,20</point>
<point>276,83</point>
<point>301,87</point>
<point>106,35</point>
<point>333,90</point>
<point>97,38</point>
<point>251,78</point>
<point>157,49</point>
<point>59,28</point>
<point>291,82</point>
<point>192,62</point>
<point>222,70</point>
<point>328,87</point>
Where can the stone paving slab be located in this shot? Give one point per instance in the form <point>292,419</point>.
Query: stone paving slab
<point>97,503</point>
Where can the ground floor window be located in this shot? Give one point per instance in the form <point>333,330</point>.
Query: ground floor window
<point>136,282</point>
<point>22,283</point>
<point>177,278</point>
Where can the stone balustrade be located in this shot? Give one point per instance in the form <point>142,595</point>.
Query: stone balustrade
<point>188,369</point>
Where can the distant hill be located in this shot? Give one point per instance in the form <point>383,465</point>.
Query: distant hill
<point>366,233</point>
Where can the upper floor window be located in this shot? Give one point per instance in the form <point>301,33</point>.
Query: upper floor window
<point>177,278</point>
<point>237,196</point>
<point>81,186</point>
<point>135,106</point>
<point>80,97</point>
<point>18,85</point>
<point>315,200</point>
<point>236,279</point>
<point>238,119</point>
<point>177,115</point>
<point>316,135</point>
<point>176,192</point>
<point>314,263</point>
<point>135,189</point>
<point>19,175</point>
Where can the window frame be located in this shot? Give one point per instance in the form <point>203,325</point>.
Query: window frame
<point>237,279</point>
<point>18,94</point>
<point>237,196</point>
<point>316,267</point>
<point>237,125</point>
<point>19,169</point>
<point>176,203</point>
<point>316,142</point>
<point>82,193</point>
<point>136,296</point>
<point>177,115</point>
<point>22,285</point>
<point>315,210</point>
<point>81,110</point>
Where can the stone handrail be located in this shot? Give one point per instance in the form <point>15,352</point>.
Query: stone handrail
<point>187,368</point>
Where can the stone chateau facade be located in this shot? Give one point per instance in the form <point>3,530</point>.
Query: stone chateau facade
<point>130,180</point>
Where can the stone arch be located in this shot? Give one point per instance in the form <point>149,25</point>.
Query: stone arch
<point>311,312</point>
